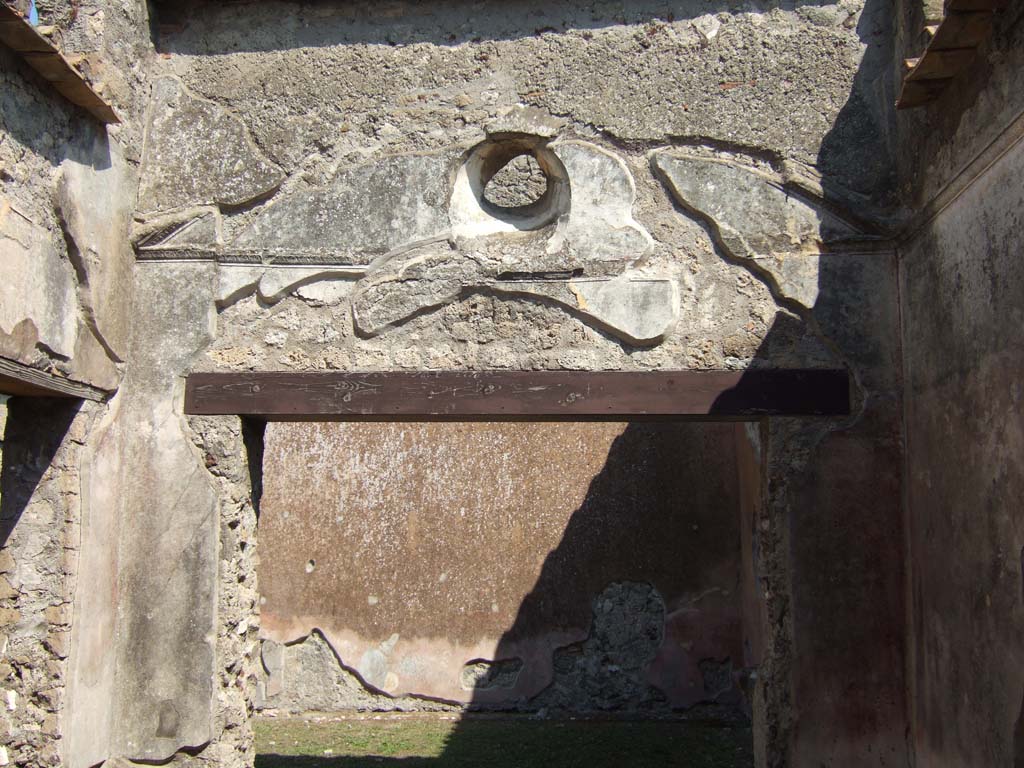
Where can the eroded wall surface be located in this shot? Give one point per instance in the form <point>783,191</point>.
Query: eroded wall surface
<point>962,283</point>
<point>466,562</point>
<point>40,543</point>
<point>719,194</point>
<point>67,193</point>
<point>313,195</point>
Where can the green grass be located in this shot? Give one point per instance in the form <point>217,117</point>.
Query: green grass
<point>446,741</point>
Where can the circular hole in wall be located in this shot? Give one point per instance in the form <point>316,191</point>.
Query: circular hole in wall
<point>519,183</point>
<point>509,182</point>
<point>310,565</point>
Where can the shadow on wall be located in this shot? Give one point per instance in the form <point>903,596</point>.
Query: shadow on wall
<point>35,430</point>
<point>643,561</point>
<point>836,684</point>
<point>444,24</point>
<point>672,625</point>
<point>70,132</point>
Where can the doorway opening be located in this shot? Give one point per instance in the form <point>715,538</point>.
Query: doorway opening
<point>391,454</point>
<point>446,592</point>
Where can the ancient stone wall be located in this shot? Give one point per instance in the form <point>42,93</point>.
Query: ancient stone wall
<point>324,186</point>
<point>40,539</point>
<point>961,280</point>
<point>717,192</point>
<point>67,190</point>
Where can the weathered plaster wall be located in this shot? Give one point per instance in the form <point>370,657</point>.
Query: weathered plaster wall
<point>962,281</point>
<point>146,677</point>
<point>67,193</point>
<point>720,190</point>
<point>421,550</point>
<point>66,198</point>
<point>40,539</point>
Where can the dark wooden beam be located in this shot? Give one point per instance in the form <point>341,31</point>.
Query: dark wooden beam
<point>19,380</point>
<point>519,395</point>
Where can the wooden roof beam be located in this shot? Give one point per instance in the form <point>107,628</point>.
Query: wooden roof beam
<point>18,380</point>
<point>40,54</point>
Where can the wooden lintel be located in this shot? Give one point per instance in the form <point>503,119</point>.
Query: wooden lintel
<point>942,65</point>
<point>519,395</point>
<point>952,47</point>
<point>40,54</point>
<point>18,380</point>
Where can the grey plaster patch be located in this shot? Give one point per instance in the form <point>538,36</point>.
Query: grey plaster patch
<point>38,291</point>
<point>483,674</point>
<point>325,293</point>
<point>797,275</point>
<point>308,676</point>
<point>147,483</point>
<point>197,153</point>
<point>756,218</point>
<point>639,310</point>
<point>272,655</point>
<point>490,251</point>
<point>236,281</point>
<point>374,665</point>
<point>324,284</point>
<point>365,211</point>
<point>414,285</point>
<point>94,202</point>
<point>754,215</point>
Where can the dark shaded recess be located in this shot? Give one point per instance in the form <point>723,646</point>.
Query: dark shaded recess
<point>36,427</point>
<point>1018,739</point>
<point>253,431</point>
